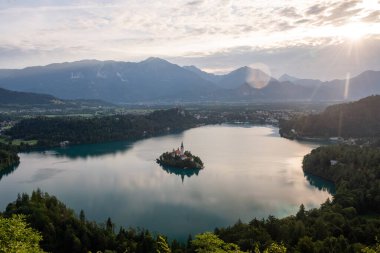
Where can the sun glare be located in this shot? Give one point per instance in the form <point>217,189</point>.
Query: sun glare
<point>355,31</point>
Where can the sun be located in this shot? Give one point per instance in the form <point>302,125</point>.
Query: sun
<point>355,31</point>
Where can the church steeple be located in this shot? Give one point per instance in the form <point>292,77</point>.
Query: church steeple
<point>182,149</point>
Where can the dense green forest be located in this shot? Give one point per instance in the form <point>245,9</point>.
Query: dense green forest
<point>8,156</point>
<point>61,230</point>
<point>77,130</point>
<point>356,119</point>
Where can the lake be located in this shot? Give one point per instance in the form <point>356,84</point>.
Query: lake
<point>250,171</point>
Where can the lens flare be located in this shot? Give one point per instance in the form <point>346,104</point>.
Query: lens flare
<point>259,75</point>
<point>347,85</point>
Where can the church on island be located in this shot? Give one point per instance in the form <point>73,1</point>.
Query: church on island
<point>180,152</point>
<point>179,158</point>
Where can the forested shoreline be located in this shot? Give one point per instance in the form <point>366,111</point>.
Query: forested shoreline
<point>51,132</point>
<point>360,119</point>
<point>344,224</point>
<point>8,156</point>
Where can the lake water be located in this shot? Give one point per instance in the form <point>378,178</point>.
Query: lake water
<point>249,172</point>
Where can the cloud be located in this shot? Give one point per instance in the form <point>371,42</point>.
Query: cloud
<point>325,61</point>
<point>42,31</point>
<point>339,13</point>
<point>193,3</point>
<point>290,12</point>
<point>316,9</point>
<point>372,17</point>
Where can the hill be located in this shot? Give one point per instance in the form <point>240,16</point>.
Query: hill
<point>52,131</point>
<point>356,119</point>
<point>8,97</point>
<point>12,99</point>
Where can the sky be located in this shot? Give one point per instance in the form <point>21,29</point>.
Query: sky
<point>308,39</point>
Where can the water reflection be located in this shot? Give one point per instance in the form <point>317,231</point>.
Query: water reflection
<point>8,170</point>
<point>180,172</point>
<point>320,183</point>
<point>92,150</point>
<point>251,172</point>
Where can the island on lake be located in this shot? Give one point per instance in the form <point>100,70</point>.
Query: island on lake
<point>179,158</point>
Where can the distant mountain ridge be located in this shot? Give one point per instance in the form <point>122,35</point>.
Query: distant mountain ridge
<point>300,81</point>
<point>155,80</point>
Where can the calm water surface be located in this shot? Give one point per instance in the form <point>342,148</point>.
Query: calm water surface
<point>249,172</point>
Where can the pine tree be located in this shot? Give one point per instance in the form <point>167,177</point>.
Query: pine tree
<point>162,245</point>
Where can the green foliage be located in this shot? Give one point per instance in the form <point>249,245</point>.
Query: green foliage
<point>275,248</point>
<point>209,242</point>
<point>77,130</point>
<point>8,156</point>
<point>356,175</point>
<point>162,245</point>
<point>17,237</point>
<point>63,231</point>
<point>357,119</point>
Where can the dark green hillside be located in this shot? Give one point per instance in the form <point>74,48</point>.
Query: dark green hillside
<point>356,119</point>
<point>25,98</point>
<point>63,231</point>
<point>77,130</point>
<point>8,157</point>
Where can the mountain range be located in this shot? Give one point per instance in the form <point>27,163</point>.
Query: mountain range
<point>155,80</point>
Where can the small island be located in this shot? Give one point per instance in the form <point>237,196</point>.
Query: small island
<point>179,158</point>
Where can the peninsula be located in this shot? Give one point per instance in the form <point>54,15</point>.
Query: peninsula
<point>179,158</point>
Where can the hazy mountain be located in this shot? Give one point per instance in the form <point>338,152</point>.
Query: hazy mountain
<point>300,81</point>
<point>206,76</point>
<point>156,80</point>
<point>151,80</point>
<point>254,77</point>
<point>273,91</point>
<point>363,85</point>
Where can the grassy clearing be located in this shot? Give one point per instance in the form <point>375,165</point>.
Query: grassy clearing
<point>18,142</point>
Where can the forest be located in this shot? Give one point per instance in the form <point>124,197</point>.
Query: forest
<point>44,224</point>
<point>8,157</point>
<point>51,132</point>
<point>356,119</point>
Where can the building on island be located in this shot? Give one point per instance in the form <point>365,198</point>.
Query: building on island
<point>180,152</point>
